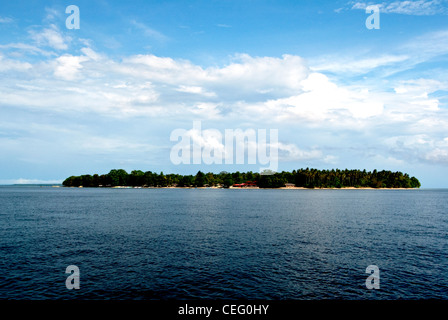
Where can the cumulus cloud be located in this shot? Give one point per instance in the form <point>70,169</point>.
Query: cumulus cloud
<point>268,88</point>
<point>263,73</point>
<point>324,100</point>
<point>271,92</point>
<point>437,155</point>
<point>420,147</point>
<point>271,88</point>
<point>244,78</point>
<point>68,66</point>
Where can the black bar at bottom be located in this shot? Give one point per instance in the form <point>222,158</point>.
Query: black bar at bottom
<point>222,309</point>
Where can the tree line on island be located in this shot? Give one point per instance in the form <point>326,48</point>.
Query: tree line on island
<point>307,178</point>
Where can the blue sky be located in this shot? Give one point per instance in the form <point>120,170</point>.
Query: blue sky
<point>109,95</point>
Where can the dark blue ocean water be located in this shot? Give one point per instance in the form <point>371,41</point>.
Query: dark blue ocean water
<point>223,244</point>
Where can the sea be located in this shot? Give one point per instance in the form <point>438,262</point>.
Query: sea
<point>162,244</point>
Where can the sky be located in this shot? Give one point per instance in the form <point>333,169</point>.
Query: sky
<point>112,93</point>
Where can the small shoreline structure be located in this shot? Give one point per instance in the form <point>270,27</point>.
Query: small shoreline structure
<point>295,180</point>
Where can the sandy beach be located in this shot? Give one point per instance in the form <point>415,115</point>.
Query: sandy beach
<point>253,188</point>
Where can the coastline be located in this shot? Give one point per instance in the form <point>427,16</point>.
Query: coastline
<point>348,188</point>
<point>297,179</point>
<point>248,188</point>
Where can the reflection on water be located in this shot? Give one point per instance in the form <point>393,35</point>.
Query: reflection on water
<point>230,244</point>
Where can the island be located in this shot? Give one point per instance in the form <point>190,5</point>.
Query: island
<point>301,178</point>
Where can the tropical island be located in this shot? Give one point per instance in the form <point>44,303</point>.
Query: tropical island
<point>302,178</point>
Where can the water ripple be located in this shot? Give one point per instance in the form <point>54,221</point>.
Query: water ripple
<point>215,244</point>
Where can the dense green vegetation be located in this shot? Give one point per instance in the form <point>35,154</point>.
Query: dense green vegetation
<point>308,178</point>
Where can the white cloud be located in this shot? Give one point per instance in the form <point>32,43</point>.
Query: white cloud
<point>438,155</point>
<point>149,32</point>
<point>6,20</point>
<point>262,73</point>
<point>213,139</point>
<point>88,52</point>
<point>195,90</point>
<point>372,63</point>
<point>13,65</point>
<point>51,37</point>
<point>207,110</point>
<point>243,79</point>
<point>416,7</point>
<point>427,46</point>
<point>250,88</point>
<point>266,91</point>
<point>52,14</point>
<point>26,48</point>
<point>160,69</point>
<point>107,145</point>
<point>29,181</point>
<point>438,152</point>
<point>324,100</point>
<point>356,66</point>
<point>420,147</point>
<point>68,66</point>
<point>290,152</point>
